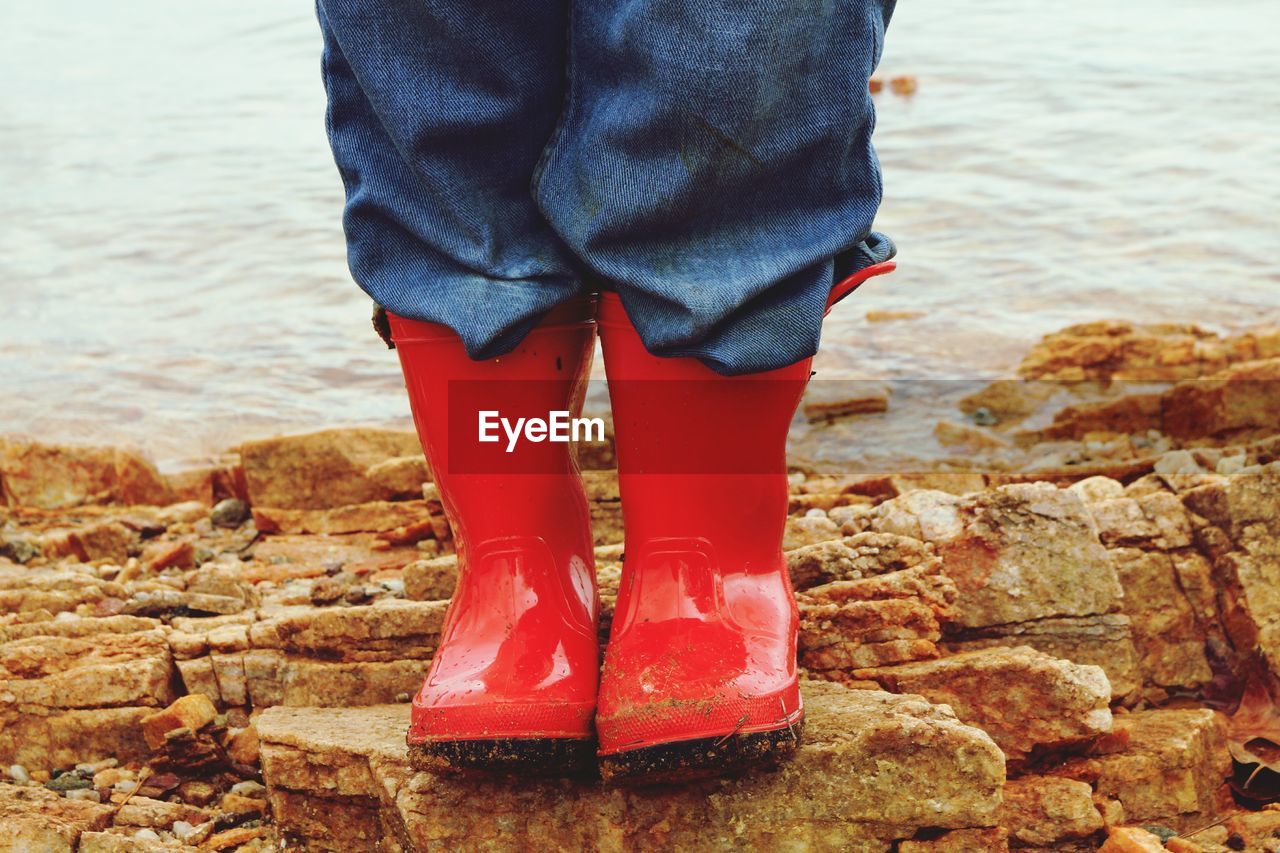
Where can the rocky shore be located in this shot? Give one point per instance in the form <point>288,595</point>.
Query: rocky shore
<point>1065,635</point>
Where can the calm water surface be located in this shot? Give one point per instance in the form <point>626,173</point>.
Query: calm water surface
<point>171,261</point>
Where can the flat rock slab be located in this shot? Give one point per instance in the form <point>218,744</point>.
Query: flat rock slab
<point>874,768</point>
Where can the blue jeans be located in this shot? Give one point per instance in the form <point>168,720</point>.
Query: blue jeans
<point>711,161</point>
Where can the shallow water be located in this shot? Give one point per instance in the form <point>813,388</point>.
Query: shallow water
<point>171,261</point>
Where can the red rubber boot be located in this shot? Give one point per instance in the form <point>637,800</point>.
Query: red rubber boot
<point>512,685</point>
<point>700,670</point>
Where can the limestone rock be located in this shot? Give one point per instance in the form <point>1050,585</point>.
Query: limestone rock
<point>1020,552</point>
<point>53,738</point>
<point>374,516</point>
<point>103,540</point>
<point>1041,811</point>
<point>828,400</point>
<point>1105,641</point>
<point>390,630</point>
<point>1171,770</point>
<point>191,712</point>
<point>874,621</point>
<point>1027,701</point>
<point>322,470</point>
<point>55,590</point>
<point>1166,631</point>
<point>873,768</point>
<point>1131,839</point>
<point>858,556</point>
<point>1115,349</point>
<point>1154,521</point>
<point>1244,513</point>
<point>431,580</point>
<point>38,820</point>
<point>38,674</point>
<point>401,476</point>
<point>53,476</point>
<point>808,530</point>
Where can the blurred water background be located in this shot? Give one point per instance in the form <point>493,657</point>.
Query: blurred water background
<point>171,262</point>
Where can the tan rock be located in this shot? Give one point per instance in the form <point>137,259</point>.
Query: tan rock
<point>34,819</point>
<point>229,838</point>
<point>431,580</point>
<point>808,530</point>
<point>310,682</point>
<point>84,672</point>
<point>122,840</point>
<point>1094,489</point>
<point>322,470</point>
<point>158,814</point>
<point>1010,400</point>
<point>1244,514</point>
<point>191,712</point>
<point>46,626</point>
<point>1113,349</point>
<point>26,590</point>
<point>1171,771</point>
<point>1041,811</point>
<point>829,400</point>
<point>1131,839</point>
<point>1166,631</point>
<point>874,621</point>
<point>1027,701</point>
<point>968,437</point>
<point>1236,404</point>
<point>851,785</point>
<point>857,556</point>
<point>1105,641</point>
<point>242,747</point>
<point>1020,552</point>
<point>52,738</point>
<point>53,476</point>
<point>389,630</point>
<point>401,476</point>
<point>993,840</point>
<point>353,518</point>
<point>1153,521</point>
<point>159,556</point>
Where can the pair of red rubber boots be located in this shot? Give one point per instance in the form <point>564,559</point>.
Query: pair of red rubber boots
<point>699,671</point>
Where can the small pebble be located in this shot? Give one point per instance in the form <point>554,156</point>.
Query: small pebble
<point>68,782</point>
<point>182,829</point>
<point>125,785</point>
<point>65,616</point>
<point>19,774</point>
<point>815,513</point>
<point>84,794</point>
<point>248,788</point>
<point>982,416</point>
<point>231,512</point>
<point>146,835</point>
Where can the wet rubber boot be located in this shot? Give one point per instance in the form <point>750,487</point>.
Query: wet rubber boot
<point>512,685</point>
<point>700,670</point>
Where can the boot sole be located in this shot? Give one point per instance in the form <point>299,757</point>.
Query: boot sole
<point>703,758</point>
<point>515,756</point>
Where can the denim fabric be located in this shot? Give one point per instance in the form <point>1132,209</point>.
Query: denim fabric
<point>710,160</point>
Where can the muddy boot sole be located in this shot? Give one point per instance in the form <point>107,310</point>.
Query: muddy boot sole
<point>512,756</point>
<point>687,760</point>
